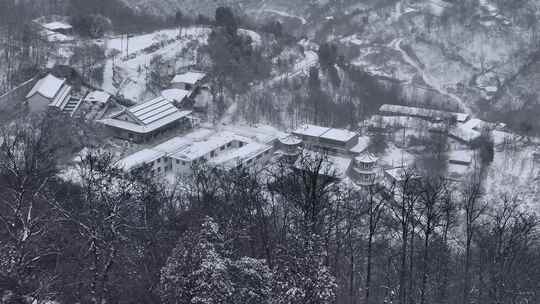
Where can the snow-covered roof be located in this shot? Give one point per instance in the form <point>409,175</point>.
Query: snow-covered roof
<point>48,86</point>
<point>341,135</point>
<point>143,129</point>
<point>57,25</point>
<point>150,115</point>
<point>153,110</point>
<point>290,140</point>
<point>368,158</point>
<point>421,112</point>
<point>98,96</point>
<point>175,94</point>
<point>469,131</point>
<point>189,78</point>
<point>311,130</point>
<point>138,159</point>
<point>259,133</point>
<point>363,144</point>
<point>174,145</point>
<point>232,158</point>
<point>464,134</point>
<point>202,148</point>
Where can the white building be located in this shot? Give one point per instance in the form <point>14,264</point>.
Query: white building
<point>333,141</point>
<point>155,160</point>
<point>224,150</point>
<point>148,120</point>
<point>51,91</point>
<point>187,81</point>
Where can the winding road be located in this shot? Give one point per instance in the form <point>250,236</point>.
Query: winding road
<point>428,79</point>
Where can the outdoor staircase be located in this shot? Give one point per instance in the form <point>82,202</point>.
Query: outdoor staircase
<point>72,105</point>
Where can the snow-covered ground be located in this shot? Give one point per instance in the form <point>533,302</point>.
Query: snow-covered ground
<point>177,51</point>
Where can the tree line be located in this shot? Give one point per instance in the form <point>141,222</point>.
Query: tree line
<point>280,235</point>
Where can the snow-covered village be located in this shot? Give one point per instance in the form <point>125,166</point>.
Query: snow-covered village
<point>269,152</point>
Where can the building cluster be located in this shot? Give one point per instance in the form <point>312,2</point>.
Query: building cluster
<point>462,128</point>
<point>179,155</point>
<point>343,153</point>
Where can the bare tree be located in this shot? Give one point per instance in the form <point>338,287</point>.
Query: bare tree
<point>473,208</point>
<point>404,198</point>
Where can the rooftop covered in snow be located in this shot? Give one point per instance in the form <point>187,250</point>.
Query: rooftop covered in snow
<point>48,87</point>
<point>98,96</point>
<point>175,94</point>
<point>340,135</point>
<point>191,78</point>
<point>199,149</point>
<point>148,116</point>
<point>57,25</point>
<point>421,112</point>
<point>140,158</point>
<point>233,158</point>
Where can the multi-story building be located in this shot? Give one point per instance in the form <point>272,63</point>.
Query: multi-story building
<point>178,156</point>
<point>330,140</point>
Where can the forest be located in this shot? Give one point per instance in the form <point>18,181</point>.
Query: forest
<point>277,236</point>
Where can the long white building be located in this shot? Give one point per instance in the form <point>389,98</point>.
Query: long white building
<point>180,155</point>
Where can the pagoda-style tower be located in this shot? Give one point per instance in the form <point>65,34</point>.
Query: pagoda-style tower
<point>364,169</point>
<point>291,147</point>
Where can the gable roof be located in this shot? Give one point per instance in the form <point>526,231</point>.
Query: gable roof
<point>175,94</point>
<point>189,77</point>
<point>98,96</point>
<point>339,135</point>
<point>149,116</point>
<point>142,157</point>
<point>153,110</point>
<point>48,87</point>
<point>57,25</point>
